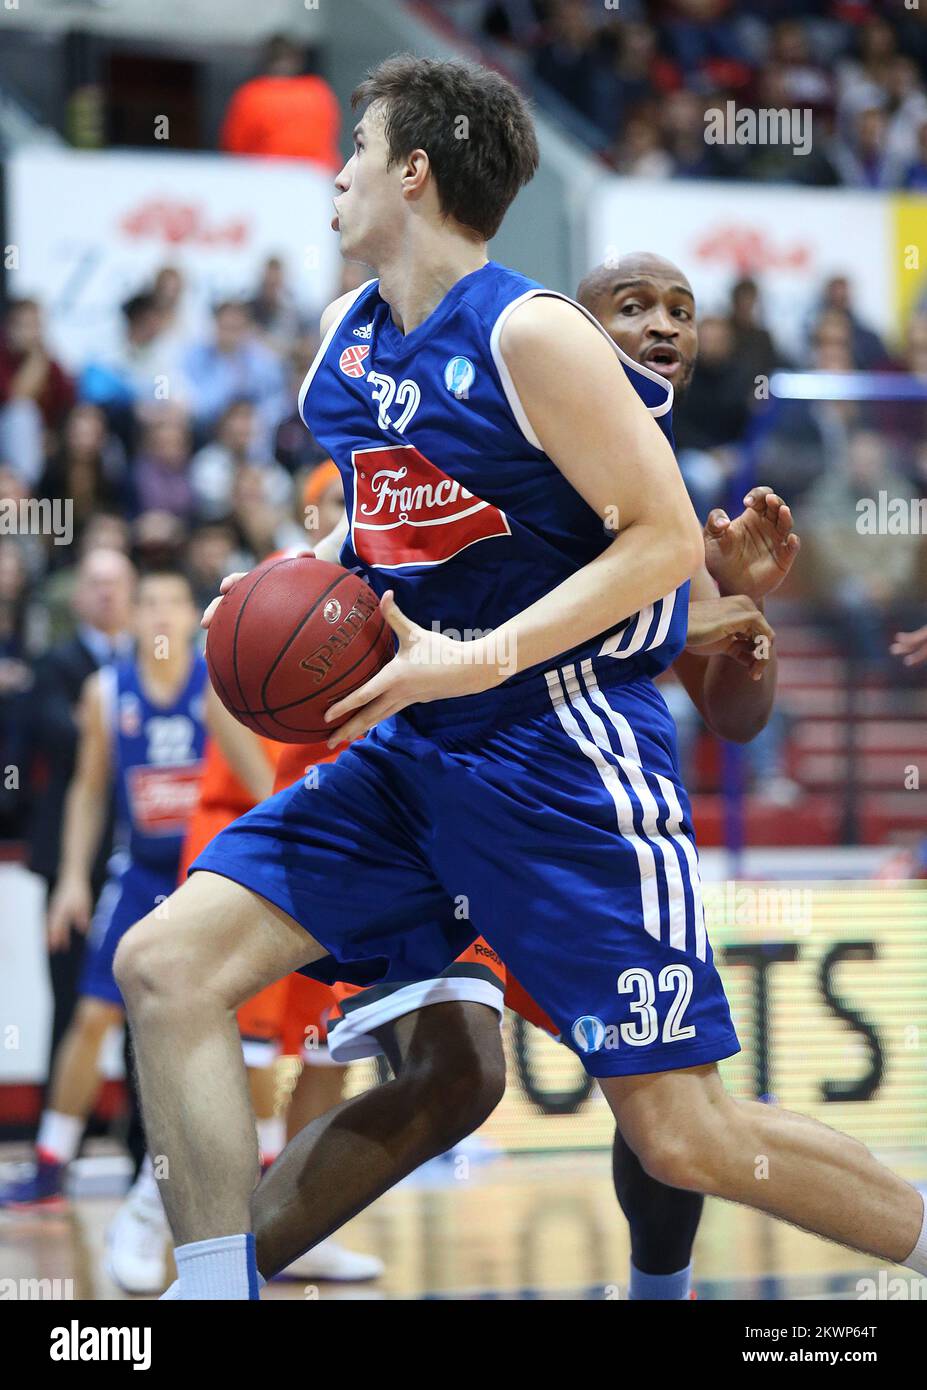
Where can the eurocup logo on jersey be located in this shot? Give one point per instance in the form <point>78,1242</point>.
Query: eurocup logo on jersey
<point>407,512</point>
<point>588,1033</point>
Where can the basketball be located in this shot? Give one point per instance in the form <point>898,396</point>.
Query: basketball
<point>290,639</point>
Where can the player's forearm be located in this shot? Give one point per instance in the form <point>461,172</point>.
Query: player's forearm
<point>84,815</point>
<point>733,705</point>
<point>644,563</point>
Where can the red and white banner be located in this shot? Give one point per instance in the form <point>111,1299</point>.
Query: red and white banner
<point>89,229</point>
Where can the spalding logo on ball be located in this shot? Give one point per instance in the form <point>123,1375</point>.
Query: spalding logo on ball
<point>290,639</point>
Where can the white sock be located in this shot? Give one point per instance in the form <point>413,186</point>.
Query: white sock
<point>271,1137</point>
<point>59,1136</point>
<point>917,1260</point>
<point>173,1291</point>
<point>221,1268</point>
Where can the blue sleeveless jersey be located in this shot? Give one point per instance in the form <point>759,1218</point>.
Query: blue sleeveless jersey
<point>157,755</point>
<point>451,501</point>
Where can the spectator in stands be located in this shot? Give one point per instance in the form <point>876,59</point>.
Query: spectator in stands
<point>27,367</point>
<point>213,469</point>
<point>683,125</point>
<point>295,447</point>
<point>627,72</point>
<point>88,469</point>
<point>716,408</point>
<point>261,523</point>
<point>211,556</point>
<point>864,582</point>
<point>701,31</point>
<point>101,604</point>
<point>161,471</point>
<point>16,682</point>
<point>159,540</point>
<point>914,178</point>
<point>274,308</point>
<point>514,21</point>
<point>285,113</point>
<point>235,365</point>
<point>35,391</point>
<point>863,79</point>
<point>867,350</point>
<point>640,150</point>
<point>180,322</point>
<point>55,594</point>
<point>138,373</point>
<point>565,61</point>
<point>862,158</point>
<point>753,343</point>
<point>805,81</point>
<point>712,417</point>
<point>907,111</point>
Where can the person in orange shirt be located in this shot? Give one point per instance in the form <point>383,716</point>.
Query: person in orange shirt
<point>285,113</point>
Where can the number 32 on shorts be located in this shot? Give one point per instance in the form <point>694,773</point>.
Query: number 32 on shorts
<point>645,1029</point>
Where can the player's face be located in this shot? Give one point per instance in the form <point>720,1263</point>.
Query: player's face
<point>652,318</point>
<point>368,201</point>
<point>165,616</point>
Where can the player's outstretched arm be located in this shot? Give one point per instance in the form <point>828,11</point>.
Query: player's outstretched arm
<point>753,553</point>
<point>746,558</point>
<point>85,810</point>
<point>728,667</point>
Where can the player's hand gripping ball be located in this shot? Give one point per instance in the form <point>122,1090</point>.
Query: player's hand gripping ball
<point>291,638</point>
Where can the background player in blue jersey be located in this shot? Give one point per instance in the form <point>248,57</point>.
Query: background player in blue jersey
<point>542,789</point>
<point>142,733</point>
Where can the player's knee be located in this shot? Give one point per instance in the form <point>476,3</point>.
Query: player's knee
<point>457,1093</point>
<point>673,1158</point>
<point>143,965</point>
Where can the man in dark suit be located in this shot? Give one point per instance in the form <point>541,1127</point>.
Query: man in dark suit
<point>101,603</point>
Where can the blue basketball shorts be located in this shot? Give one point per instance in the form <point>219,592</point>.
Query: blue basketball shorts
<point>563,836</point>
<point>131,891</point>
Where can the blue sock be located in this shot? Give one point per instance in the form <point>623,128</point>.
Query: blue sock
<point>664,1286</point>
<point>222,1268</point>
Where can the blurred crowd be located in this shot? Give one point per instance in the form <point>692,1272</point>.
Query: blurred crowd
<point>180,444</point>
<point>823,456</point>
<point>639,77</point>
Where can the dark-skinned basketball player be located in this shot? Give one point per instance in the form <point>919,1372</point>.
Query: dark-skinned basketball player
<point>476,376</point>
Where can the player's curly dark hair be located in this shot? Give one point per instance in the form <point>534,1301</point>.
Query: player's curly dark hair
<point>472,123</point>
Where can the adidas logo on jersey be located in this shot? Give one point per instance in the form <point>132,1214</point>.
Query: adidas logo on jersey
<point>365,332</point>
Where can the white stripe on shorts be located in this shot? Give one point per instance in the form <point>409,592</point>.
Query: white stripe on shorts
<point>673,825</point>
<point>646,859</point>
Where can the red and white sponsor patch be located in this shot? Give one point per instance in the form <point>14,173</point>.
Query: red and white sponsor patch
<point>351,360</point>
<point>407,512</point>
<point>163,799</point>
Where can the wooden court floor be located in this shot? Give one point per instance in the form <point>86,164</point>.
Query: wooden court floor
<point>526,1227</point>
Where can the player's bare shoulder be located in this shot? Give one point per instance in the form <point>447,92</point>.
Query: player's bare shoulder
<point>336,310</point>
<point>546,321</point>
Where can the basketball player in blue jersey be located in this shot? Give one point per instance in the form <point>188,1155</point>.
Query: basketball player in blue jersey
<point>142,733</point>
<point>506,482</point>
